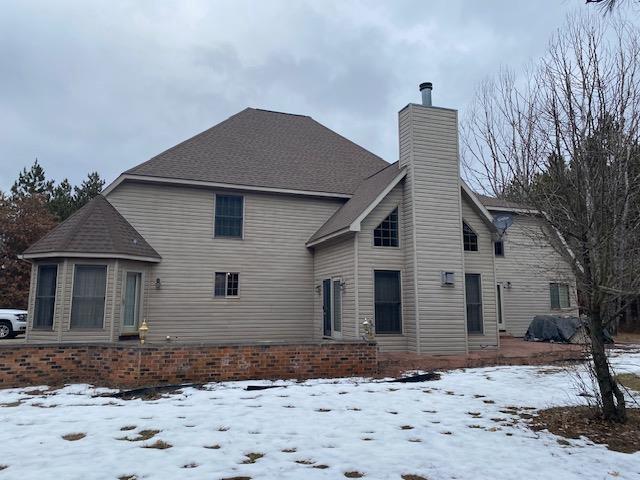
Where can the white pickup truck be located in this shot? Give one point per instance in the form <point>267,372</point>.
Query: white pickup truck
<point>12,322</point>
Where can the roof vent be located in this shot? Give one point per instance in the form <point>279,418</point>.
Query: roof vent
<point>425,89</point>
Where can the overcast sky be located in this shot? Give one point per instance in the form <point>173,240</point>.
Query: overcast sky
<point>106,85</point>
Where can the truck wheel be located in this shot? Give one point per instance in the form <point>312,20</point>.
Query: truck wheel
<point>6,331</point>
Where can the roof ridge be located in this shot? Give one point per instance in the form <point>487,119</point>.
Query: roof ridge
<point>279,113</point>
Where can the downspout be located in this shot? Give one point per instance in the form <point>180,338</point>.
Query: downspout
<point>356,275</point>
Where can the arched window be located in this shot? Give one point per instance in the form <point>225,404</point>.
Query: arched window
<point>470,238</point>
<point>386,234</point>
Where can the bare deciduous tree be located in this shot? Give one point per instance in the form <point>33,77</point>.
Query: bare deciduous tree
<point>566,142</point>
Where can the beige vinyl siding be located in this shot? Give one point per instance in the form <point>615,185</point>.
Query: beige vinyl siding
<point>429,146</point>
<point>529,264</point>
<point>277,293</point>
<point>335,259</point>
<point>371,258</point>
<point>482,262</point>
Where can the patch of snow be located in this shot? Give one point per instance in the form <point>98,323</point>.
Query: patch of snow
<point>445,429</point>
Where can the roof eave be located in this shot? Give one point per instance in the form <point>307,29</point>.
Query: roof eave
<point>200,183</point>
<point>479,207</point>
<point>101,255</point>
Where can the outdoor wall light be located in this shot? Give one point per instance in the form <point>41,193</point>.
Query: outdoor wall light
<point>142,331</point>
<point>508,285</point>
<point>158,283</point>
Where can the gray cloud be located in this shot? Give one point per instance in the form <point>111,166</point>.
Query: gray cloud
<point>104,86</point>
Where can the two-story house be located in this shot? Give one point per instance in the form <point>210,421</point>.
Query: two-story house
<point>269,227</point>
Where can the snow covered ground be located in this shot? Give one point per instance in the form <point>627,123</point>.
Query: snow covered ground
<point>452,428</point>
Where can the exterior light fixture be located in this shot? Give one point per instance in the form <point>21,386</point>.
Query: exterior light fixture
<point>142,331</point>
<point>367,327</point>
<point>158,283</point>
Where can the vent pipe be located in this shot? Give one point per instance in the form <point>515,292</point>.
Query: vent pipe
<point>425,89</point>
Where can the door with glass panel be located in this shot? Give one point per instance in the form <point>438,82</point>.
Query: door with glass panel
<point>131,302</point>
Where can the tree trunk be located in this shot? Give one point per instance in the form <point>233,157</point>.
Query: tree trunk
<point>613,403</point>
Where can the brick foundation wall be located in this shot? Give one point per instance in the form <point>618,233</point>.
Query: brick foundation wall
<point>149,365</point>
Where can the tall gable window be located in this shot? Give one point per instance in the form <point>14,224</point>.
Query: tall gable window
<point>89,286</point>
<point>386,234</point>
<point>229,213</point>
<point>45,296</point>
<point>559,295</point>
<point>226,284</point>
<point>470,238</point>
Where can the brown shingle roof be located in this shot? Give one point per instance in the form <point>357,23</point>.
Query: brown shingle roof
<point>97,228</point>
<point>261,148</point>
<point>365,195</point>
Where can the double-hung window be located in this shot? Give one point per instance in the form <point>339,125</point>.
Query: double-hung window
<point>45,296</point>
<point>559,293</point>
<point>229,216</point>
<point>89,289</point>
<point>226,284</point>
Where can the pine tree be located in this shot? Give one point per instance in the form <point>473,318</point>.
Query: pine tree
<point>33,181</point>
<point>62,203</point>
<point>89,188</point>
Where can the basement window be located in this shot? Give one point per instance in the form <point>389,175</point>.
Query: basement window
<point>226,284</point>
<point>470,238</point>
<point>386,234</point>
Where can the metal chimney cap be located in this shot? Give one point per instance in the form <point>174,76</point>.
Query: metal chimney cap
<point>428,85</point>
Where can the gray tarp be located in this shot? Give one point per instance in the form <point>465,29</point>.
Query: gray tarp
<point>550,328</point>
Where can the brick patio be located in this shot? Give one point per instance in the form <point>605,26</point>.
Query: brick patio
<point>512,351</point>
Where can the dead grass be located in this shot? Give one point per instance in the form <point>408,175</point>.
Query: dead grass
<point>128,477</point>
<point>628,338</point>
<point>322,466</point>
<point>159,445</point>
<point>236,478</point>
<point>190,465</point>
<point>289,450</point>
<point>576,422</point>
<point>413,477</point>
<point>253,457</point>
<point>353,474</point>
<point>305,462</point>
<point>3,467</point>
<point>212,447</point>
<point>406,427</point>
<point>142,435</point>
<point>128,427</point>
<point>629,380</point>
<point>11,404</point>
<point>72,437</point>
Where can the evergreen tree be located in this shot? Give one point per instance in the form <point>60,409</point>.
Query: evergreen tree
<point>89,188</point>
<point>62,203</point>
<point>33,181</point>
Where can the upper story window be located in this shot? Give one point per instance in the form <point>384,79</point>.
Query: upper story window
<point>559,295</point>
<point>229,213</point>
<point>470,238</point>
<point>386,234</point>
<point>226,284</point>
<point>498,248</point>
<point>45,296</point>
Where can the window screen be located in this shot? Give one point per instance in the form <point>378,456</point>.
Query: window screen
<point>226,284</point>
<point>470,238</point>
<point>387,302</point>
<point>45,296</point>
<point>386,234</point>
<point>89,285</point>
<point>559,295</point>
<point>228,221</point>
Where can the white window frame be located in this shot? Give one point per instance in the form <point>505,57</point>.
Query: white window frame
<point>373,231</point>
<point>226,285</point>
<point>55,298</point>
